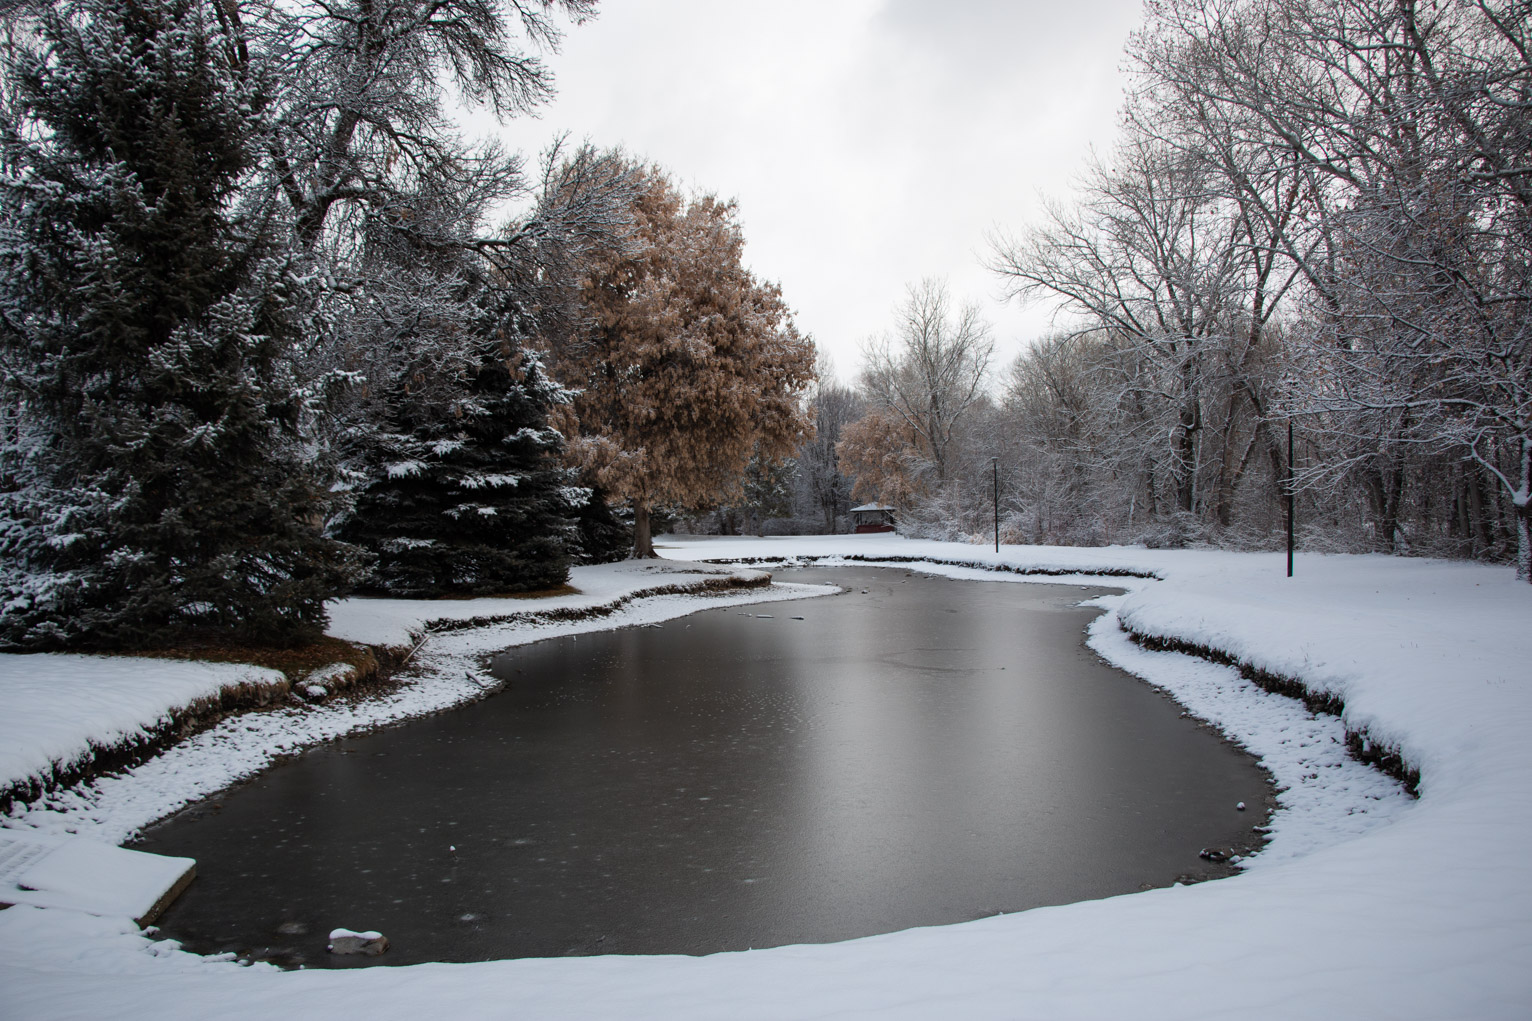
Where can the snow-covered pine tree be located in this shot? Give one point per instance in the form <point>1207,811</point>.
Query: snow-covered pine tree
<point>468,495</point>
<point>157,492</point>
<point>460,487</point>
<point>603,536</point>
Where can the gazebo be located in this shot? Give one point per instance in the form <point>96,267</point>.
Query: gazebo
<point>872,517</point>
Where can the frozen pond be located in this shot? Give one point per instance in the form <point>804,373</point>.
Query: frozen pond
<point>922,752</point>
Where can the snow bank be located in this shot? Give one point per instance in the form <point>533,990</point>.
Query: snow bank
<point>1418,910</point>
<point>446,671</point>
<point>57,711</point>
<point>401,622</point>
<point>83,875</point>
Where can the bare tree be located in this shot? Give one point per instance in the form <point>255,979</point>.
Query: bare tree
<point>1321,209</point>
<point>361,89</point>
<point>1152,256</point>
<point>932,373</point>
<point>818,476</point>
<point>1409,120</point>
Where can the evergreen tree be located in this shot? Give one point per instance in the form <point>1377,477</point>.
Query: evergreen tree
<point>603,536</point>
<point>469,497</point>
<point>156,488</point>
<point>458,476</point>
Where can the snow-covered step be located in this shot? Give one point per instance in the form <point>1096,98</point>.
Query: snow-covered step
<point>84,875</point>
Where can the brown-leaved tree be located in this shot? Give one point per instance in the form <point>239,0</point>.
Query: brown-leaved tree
<point>688,367</point>
<point>879,451</point>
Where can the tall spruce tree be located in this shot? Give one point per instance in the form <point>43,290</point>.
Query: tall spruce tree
<point>458,474</point>
<point>469,496</point>
<point>156,490</point>
<point>459,487</point>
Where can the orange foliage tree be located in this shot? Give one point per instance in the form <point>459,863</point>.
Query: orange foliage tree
<point>880,452</point>
<point>688,366</point>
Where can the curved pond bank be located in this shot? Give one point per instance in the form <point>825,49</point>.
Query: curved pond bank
<point>921,752</point>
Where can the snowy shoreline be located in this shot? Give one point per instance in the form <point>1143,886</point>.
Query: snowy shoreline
<point>1408,909</point>
<point>1361,745</point>
<point>71,718</point>
<point>56,717</point>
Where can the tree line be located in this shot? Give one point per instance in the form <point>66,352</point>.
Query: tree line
<point>269,336</point>
<point>272,330</point>
<point>1318,214</point>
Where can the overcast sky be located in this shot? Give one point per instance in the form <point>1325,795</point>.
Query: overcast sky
<point>869,143</point>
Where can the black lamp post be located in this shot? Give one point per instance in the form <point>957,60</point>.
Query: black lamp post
<point>1291,505</point>
<point>994,464</point>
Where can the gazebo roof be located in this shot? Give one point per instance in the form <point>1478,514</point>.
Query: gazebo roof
<point>872,507</point>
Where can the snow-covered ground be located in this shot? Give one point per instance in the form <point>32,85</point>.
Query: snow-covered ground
<point>1366,904</point>
<point>56,706</point>
<point>402,621</point>
<point>62,705</point>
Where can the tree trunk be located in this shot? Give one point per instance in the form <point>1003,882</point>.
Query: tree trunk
<point>1395,507</point>
<point>643,544</point>
<point>1521,500</point>
<point>1480,520</point>
<point>1228,475</point>
<point>1188,448</point>
<point>1459,521</point>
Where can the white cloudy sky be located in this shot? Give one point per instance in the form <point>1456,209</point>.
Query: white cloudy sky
<point>869,143</point>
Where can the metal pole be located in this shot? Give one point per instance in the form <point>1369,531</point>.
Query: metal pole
<point>1290,498</point>
<point>994,463</point>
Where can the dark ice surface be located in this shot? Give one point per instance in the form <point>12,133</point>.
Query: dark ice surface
<point>924,752</point>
